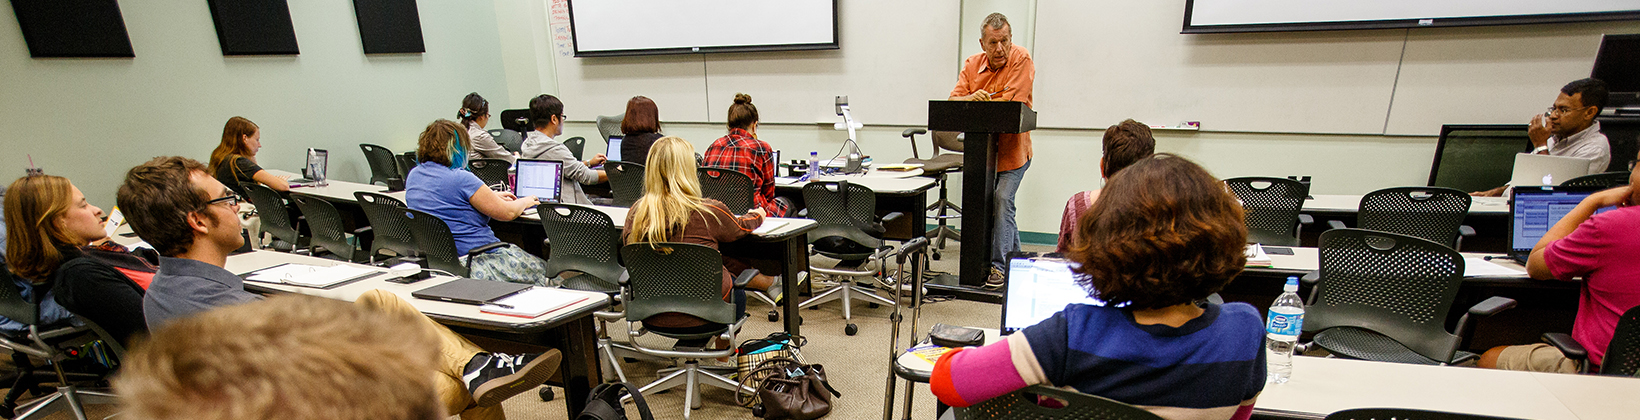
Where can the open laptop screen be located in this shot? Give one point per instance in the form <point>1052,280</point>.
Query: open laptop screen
<point>614,152</point>
<point>540,178</point>
<point>318,161</point>
<point>1536,209</point>
<point>1037,288</point>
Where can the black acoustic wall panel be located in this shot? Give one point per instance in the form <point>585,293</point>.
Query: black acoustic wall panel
<point>253,27</point>
<point>73,28</point>
<point>389,26</point>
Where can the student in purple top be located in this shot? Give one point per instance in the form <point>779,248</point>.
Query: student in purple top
<point>1601,250</point>
<point>1166,235</point>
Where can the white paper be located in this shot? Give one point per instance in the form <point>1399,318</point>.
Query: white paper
<point>769,226</point>
<point>1257,257</point>
<point>533,302</point>
<point>1480,267</point>
<point>308,275</point>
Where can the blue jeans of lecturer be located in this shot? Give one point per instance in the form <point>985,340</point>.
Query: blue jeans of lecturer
<point>1005,234</point>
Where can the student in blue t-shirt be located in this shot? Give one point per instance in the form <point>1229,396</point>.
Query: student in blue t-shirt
<point>1164,235</point>
<point>439,187</point>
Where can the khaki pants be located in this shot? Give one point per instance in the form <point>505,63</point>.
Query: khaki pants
<point>1535,358</point>
<point>454,353</point>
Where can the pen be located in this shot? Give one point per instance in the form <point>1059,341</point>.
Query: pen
<point>501,305</point>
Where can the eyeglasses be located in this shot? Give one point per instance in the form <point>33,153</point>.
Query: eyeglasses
<point>231,199</point>
<point>1561,110</point>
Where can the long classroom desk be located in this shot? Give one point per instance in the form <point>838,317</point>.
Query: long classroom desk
<point>896,192</point>
<point>1488,215</point>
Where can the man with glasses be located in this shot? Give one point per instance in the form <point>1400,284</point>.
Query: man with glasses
<point>547,117</point>
<point>191,219</point>
<point>1569,128</point>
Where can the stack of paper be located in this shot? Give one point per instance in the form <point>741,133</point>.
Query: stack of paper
<point>1479,267</point>
<point>533,302</point>
<point>1257,258</point>
<point>308,275</point>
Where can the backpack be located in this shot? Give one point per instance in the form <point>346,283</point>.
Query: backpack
<point>605,403</point>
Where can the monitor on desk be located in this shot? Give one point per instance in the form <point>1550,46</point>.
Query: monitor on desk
<point>540,178</point>
<point>1038,288</point>
<point>1533,210</point>
<point>1477,157</point>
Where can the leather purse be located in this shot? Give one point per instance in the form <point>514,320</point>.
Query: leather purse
<point>953,336</point>
<point>794,391</point>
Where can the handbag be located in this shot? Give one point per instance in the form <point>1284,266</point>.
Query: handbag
<point>952,336</point>
<point>605,403</point>
<point>755,351</point>
<point>790,391</point>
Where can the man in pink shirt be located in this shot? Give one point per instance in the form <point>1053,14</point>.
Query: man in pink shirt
<point>1600,249</point>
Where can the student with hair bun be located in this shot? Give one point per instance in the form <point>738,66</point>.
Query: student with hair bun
<point>743,152</point>
<point>475,115</point>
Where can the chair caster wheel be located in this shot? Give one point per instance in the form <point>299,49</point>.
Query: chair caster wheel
<point>629,360</point>
<point>774,316</point>
<point>547,394</point>
<point>873,305</point>
<point>851,329</point>
<point>799,320</point>
<point>936,256</point>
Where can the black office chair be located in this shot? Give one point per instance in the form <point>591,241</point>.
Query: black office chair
<point>849,232</point>
<point>583,240</point>
<point>1622,354</point>
<point>1022,405</point>
<point>389,225</point>
<point>276,218</point>
<point>384,166</point>
<point>1433,213</point>
<point>1404,414</point>
<point>328,237</point>
<point>512,141</point>
<point>1600,180</point>
<point>50,343</point>
<point>733,188</point>
<point>937,166</point>
<point>492,171</point>
<point>438,245</point>
<point>577,146</point>
<point>625,182</point>
<point>1383,296</point>
<point>609,125</point>
<point>1273,208</point>
<point>406,162</point>
<point>687,279</point>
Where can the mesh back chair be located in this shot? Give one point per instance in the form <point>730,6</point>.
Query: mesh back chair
<point>625,182</point>
<point>577,146</point>
<point>492,171</point>
<point>1622,354</point>
<point>438,245</point>
<point>1385,297</point>
<point>584,240</point>
<point>733,188</point>
<point>1600,180</point>
<point>1432,213</point>
<point>406,161</point>
<point>937,166</point>
<point>849,232</point>
<point>1272,206</point>
<point>609,125</point>
<point>1404,414</point>
<point>388,224</point>
<point>383,164</point>
<point>687,279</point>
<point>45,342</point>
<point>276,219</point>
<point>326,229</point>
<point>1022,405</point>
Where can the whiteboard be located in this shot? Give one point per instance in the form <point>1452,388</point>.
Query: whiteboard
<point>1253,12</point>
<point>610,27</point>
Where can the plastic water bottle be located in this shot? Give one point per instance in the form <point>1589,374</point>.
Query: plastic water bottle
<point>1285,322</point>
<point>814,165</point>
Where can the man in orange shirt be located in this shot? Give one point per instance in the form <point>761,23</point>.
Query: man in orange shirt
<point>1004,72</point>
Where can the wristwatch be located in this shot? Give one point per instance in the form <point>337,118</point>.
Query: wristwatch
<point>1540,149</point>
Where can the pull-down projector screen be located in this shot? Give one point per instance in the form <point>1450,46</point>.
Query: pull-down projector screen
<point>634,27</point>
<point>1210,16</point>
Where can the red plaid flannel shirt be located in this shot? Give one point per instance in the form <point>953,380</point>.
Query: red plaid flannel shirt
<point>741,152</point>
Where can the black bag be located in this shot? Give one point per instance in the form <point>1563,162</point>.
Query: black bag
<point>605,403</point>
<point>952,336</point>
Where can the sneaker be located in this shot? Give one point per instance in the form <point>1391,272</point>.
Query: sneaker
<point>995,280</point>
<point>777,290</point>
<point>495,377</point>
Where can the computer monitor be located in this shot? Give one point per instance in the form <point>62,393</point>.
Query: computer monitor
<point>543,179</point>
<point>1477,157</point>
<point>1615,64</point>
<point>1535,209</point>
<point>318,161</point>
<point>614,152</point>
<point>1037,288</point>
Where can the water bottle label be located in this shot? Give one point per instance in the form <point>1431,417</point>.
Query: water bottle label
<point>1284,324</point>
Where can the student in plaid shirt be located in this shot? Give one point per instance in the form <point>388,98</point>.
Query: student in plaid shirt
<point>741,151</point>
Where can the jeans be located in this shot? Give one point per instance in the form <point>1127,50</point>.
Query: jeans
<point>1005,234</point>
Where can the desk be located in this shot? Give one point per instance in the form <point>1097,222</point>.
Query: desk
<point>1320,386</point>
<point>570,330</point>
<point>1488,215</point>
<point>895,191</point>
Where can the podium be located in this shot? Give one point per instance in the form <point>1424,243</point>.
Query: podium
<point>980,122</point>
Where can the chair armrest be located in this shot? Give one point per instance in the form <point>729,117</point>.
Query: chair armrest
<point>483,249</point>
<point>1492,306</point>
<point>362,231</point>
<point>745,277</point>
<point>1336,224</point>
<point>892,217</point>
<point>1567,346</point>
<point>1306,219</point>
<point>804,213</point>
<point>912,131</point>
<point>546,249</point>
<point>1311,278</point>
<point>1466,230</point>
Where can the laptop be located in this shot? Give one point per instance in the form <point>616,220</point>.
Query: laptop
<point>470,291</point>
<point>318,160</point>
<point>1535,209</point>
<point>1534,169</point>
<point>1037,288</point>
<point>614,151</point>
<point>543,179</point>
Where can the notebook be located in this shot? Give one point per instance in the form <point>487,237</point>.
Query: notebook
<point>310,275</point>
<point>1038,288</point>
<point>534,302</point>
<point>543,179</point>
<point>1534,210</point>
<point>470,291</point>
<point>1533,169</point>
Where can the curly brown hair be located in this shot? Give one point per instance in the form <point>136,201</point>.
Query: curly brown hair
<point>1163,232</point>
